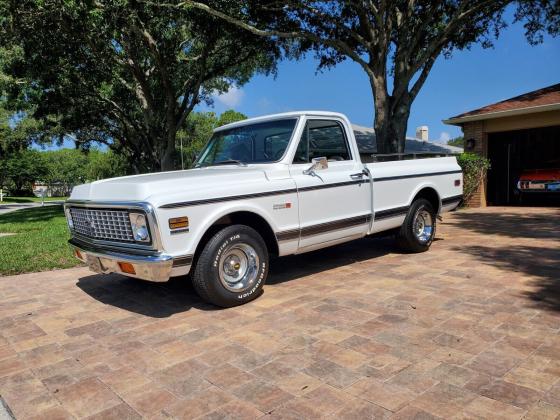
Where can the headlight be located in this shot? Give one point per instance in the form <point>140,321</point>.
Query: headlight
<point>69,218</point>
<point>139,227</point>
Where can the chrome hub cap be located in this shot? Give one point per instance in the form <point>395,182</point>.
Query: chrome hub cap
<point>423,226</point>
<point>238,267</point>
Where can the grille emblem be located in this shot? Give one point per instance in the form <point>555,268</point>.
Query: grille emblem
<point>89,225</point>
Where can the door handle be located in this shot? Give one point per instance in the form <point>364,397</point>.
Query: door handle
<point>359,175</point>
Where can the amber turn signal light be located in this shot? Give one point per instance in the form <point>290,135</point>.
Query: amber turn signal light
<point>127,267</point>
<point>179,223</point>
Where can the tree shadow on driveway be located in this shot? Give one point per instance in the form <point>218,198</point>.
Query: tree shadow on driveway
<point>161,300</point>
<point>539,262</point>
<point>528,224</point>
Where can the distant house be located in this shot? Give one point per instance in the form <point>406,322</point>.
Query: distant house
<point>57,189</point>
<point>517,135</point>
<point>365,137</point>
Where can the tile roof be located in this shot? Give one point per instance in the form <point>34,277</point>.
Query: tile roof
<point>545,96</point>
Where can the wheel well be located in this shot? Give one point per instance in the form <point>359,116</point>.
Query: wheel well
<point>429,194</point>
<point>246,218</point>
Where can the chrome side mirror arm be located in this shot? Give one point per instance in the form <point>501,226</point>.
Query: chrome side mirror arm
<point>318,163</point>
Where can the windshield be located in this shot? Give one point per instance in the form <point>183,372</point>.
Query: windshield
<point>253,143</point>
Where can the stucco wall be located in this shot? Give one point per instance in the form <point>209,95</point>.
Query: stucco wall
<point>520,122</point>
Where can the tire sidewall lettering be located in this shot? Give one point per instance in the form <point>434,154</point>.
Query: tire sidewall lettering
<point>262,269</point>
<point>256,286</point>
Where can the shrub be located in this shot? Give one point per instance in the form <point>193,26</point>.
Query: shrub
<point>474,172</point>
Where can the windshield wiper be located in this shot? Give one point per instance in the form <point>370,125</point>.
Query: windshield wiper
<point>229,162</point>
<point>221,162</point>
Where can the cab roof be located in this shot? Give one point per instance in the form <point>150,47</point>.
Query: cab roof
<point>271,117</point>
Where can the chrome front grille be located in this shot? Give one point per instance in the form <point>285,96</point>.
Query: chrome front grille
<point>109,225</point>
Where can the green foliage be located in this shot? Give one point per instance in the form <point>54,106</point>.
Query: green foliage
<point>198,130</point>
<point>59,170</point>
<point>21,169</point>
<point>474,169</point>
<point>102,165</point>
<point>230,116</point>
<point>39,243</point>
<point>122,72</point>
<point>457,141</point>
<point>64,169</point>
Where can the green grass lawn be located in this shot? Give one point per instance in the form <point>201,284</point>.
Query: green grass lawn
<point>9,200</point>
<point>39,243</point>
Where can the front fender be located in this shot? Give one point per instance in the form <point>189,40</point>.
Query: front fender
<point>216,214</point>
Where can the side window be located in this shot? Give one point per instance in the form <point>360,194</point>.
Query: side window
<point>322,138</point>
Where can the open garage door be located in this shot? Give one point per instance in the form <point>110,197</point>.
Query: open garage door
<point>532,156</point>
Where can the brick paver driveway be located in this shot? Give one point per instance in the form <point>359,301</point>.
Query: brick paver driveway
<point>470,329</point>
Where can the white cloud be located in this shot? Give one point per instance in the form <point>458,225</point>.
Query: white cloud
<point>444,137</point>
<point>232,97</point>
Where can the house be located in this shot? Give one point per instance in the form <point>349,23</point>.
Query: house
<point>517,135</point>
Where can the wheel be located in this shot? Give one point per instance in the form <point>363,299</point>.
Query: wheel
<point>419,228</point>
<point>232,267</point>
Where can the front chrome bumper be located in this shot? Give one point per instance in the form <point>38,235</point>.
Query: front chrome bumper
<point>158,267</point>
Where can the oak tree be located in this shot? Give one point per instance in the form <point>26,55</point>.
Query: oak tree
<point>396,42</point>
<point>125,73</point>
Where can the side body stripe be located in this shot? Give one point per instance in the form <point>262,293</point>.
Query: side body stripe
<point>295,190</point>
<point>318,229</point>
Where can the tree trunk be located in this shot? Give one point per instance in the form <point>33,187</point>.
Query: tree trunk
<point>391,119</point>
<point>168,151</point>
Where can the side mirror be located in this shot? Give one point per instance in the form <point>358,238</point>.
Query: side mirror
<point>316,164</point>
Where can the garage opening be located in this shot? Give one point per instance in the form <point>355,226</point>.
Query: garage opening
<point>531,156</point>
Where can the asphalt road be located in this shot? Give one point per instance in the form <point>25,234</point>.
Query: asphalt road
<point>9,207</point>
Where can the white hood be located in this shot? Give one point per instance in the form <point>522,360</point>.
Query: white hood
<point>153,187</point>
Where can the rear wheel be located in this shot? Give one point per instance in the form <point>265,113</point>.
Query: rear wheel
<point>419,228</point>
<point>232,268</point>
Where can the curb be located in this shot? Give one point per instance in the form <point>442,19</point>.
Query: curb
<point>5,412</point>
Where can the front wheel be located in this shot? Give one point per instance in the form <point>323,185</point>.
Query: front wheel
<point>419,228</point>
<point>232,268</point>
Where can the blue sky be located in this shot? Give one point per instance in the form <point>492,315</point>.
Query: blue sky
<point>466,81</point>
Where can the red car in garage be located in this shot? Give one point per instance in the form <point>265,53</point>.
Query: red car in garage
<point>539,181</point>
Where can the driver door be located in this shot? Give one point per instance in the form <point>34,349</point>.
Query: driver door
<point>334,202</point>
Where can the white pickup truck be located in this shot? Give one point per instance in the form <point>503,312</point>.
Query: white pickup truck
<point>275,185</point>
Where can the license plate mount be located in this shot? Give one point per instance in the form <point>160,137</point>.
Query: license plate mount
<point>94,264</point>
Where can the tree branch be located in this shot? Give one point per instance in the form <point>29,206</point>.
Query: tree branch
<point>422,78</point>
<point>302,34</point>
